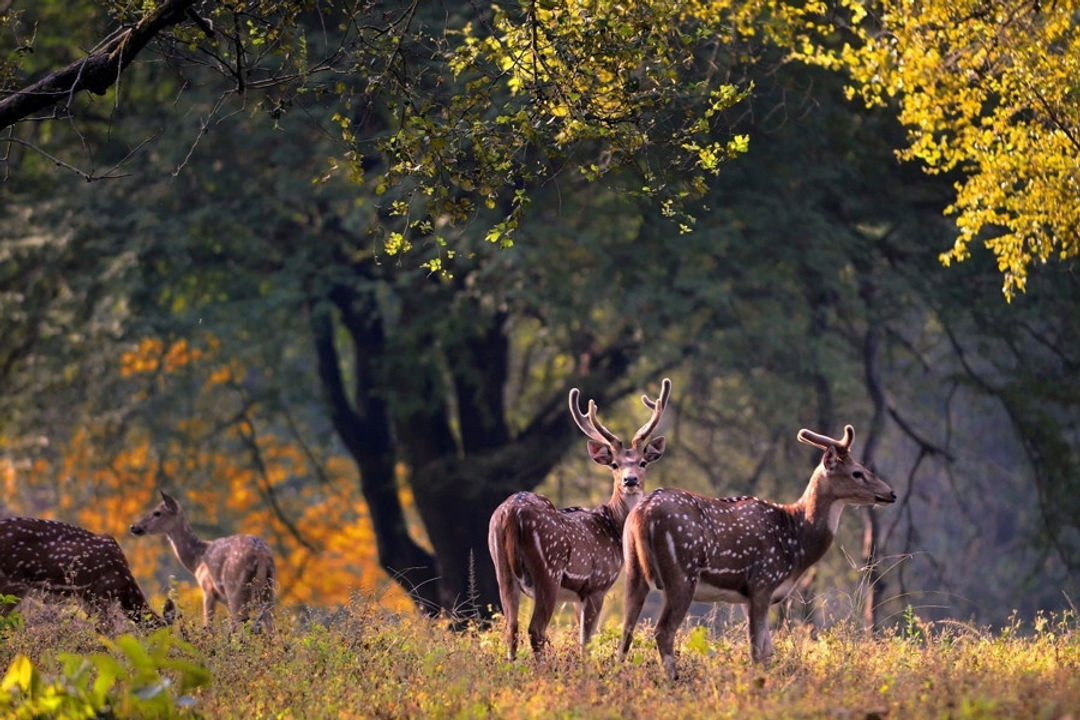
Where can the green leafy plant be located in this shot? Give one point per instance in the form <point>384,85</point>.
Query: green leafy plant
<point>137,678</point>
<point>12,620</point>
<point>911,626</point>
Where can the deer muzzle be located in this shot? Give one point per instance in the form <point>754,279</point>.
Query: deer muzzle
<point>136,530</point>
<point>630,481</point>
<point>890,498</point>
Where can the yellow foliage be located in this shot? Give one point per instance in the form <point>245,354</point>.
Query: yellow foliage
<point>989,89</point>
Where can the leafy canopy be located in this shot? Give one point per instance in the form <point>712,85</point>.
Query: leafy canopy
<point>988,89</point>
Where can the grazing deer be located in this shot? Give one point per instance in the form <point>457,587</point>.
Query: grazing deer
<point>739,549</point>
<point>571,553</point>
<point>56,558</point>
<point>238,569</point>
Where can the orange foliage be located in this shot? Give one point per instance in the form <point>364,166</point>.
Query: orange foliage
<point>320,529</point>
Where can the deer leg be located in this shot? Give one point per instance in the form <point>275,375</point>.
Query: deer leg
<point>545,595</point>
<point>208,601</point>
<point>209,597</point>
<point>637,588</point>
<point>509,594</point>
<point>678,594</point>
<point>590,615</point>
<point>264,615</point>
<point>264,595</point>
<point>760,637</point>
<point>510,597</point>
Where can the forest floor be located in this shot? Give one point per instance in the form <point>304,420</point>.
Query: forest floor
<point>364,662</point>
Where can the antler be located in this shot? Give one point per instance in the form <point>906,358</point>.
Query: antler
<point>658,408</point>
<point>589,424</point>
<point>825,442</point>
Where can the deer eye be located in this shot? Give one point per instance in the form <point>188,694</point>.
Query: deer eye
<point>614,465</point>
<point>858,474</point>
<point>643,463</point>
<point>157,513</point>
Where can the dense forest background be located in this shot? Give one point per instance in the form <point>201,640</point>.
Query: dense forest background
<point>278,268</point>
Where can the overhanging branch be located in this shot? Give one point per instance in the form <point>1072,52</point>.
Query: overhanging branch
<point>96,72</point>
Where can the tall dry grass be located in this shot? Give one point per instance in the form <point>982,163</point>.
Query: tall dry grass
<point>365,662</point>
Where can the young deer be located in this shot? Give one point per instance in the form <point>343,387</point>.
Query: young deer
<point>56,558</point>
<point>238,569</point>
<point>571,553</point>
<point>738,549</point>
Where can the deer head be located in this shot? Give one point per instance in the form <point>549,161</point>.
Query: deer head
<point>841,476</point>
<point>162,519</point>
<point>628,464</point>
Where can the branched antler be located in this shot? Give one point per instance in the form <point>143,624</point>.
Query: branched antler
<point>658,407</point>
<point>589,425</point>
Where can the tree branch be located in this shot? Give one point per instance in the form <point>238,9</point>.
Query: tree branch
<point>98,71</point>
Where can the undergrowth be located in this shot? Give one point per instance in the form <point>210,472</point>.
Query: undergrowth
<point>363,662</point>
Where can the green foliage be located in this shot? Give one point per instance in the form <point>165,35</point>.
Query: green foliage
<point>148,678</point>
<point>910,627</point>
<point>11,620</point>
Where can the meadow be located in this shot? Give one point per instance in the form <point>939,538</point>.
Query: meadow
<point>363,661</point>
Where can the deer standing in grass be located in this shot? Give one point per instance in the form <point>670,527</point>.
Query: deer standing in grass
<point>571,553</point>
<point>57,558</point>
<point>739,549</point>
<point>237,570</point>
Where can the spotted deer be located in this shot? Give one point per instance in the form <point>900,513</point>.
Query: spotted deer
<point>737,549</point>
<point>237,570</point>
<point>56,558</point>
<point>571,553</point>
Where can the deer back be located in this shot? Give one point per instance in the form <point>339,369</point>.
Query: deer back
<point>577,546</point>
<point>55,557</point>
<point>235,561</point>
<point>734,547</point>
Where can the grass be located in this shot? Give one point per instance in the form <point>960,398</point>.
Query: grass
<point>364,662</point>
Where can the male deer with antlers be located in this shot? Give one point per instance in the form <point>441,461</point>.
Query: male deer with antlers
<point>571,553</point>
<point>238,570</point>
<point>57,558</point>
<point>739,549</point>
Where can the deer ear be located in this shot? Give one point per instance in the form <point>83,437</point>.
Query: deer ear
<point>599,452</point>
<point>168,500</point>
<point>655,449</point>
<point>831,459</point>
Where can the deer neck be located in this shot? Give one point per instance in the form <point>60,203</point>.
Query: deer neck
<point>188,548</point>
<point>819,510</point>
<point>619,507</point>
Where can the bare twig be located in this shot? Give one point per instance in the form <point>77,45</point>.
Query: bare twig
<point>88,176</point>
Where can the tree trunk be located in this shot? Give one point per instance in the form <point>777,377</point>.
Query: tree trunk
<point>457,479</point>
<point>363,425</point>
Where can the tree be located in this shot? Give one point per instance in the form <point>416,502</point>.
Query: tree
<point>414,365</point>
<point>444,371</point>
<point>447,119</point>
<point>822,247</point>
